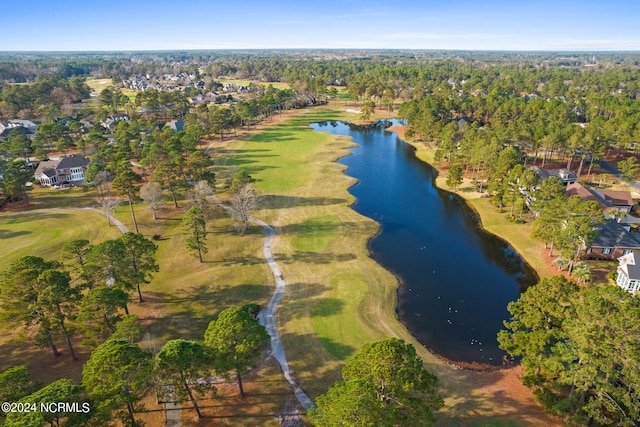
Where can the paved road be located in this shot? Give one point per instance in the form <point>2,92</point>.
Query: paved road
<point>267,316</point>
<point>610,169</point>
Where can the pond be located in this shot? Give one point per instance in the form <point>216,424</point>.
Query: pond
<point>456,279</point>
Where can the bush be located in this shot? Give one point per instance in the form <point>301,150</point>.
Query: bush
<point>252,309</point>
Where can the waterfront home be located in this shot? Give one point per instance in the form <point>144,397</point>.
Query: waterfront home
<point>565,176</point>
<point>607,199</point>
<point>629,272</point>
<point>614,240</point>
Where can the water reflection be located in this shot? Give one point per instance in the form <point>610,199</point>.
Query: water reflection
<point>456,279</point>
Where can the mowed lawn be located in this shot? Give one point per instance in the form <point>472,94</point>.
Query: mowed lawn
<point>44,234</point>
<point>337,298</point>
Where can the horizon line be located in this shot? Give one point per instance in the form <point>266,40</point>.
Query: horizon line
<point>386,49</point>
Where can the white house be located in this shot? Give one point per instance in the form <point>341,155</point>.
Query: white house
<point>111,121</point>
<point>28,126</point>
<point>629,272</point>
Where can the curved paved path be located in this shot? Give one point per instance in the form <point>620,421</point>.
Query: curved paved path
<point>267,316</point>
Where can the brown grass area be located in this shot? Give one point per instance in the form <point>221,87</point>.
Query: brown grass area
<point>266,398</point>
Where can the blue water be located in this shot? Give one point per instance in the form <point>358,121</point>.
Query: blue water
<point>456,279</point>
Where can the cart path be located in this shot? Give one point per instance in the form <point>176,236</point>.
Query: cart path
<point>267,315</point>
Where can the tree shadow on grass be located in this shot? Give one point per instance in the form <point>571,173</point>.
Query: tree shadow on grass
<point>31,217</point>
<point>189,311</point>
<point>318,258</point>
<point>273,135</point>
<point>305,257</point>
<point>273,201</point>
<point>40,362</point>
<point>7,234</point>
<point>317,226</point>
<point>338,350</point>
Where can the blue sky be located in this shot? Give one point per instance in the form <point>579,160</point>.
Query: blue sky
<point>402,24</point>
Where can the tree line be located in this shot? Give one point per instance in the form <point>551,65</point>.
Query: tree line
<point>579,350</point>
<point>86,293</point>
<point>119,373</point>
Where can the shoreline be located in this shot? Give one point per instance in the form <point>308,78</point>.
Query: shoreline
<point>469,394</point>
<point>529,251</point>
<point>508,363</point>
<point>457,378</point>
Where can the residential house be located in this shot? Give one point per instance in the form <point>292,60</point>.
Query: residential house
<point>7,125</point>
<point>614,240</point>
<point>198,99</point>
<point>607,199</point>
<point>111,121</point>
<point>629,272</point>
<point>565,176</point>
<point>176,125</point>
<point>68,170</point>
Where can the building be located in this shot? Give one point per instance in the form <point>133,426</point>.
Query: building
<point>614,240</point>
<point>111,121</point>
<point>176,125</point>
<point>607,199</point>
<point>565,176</point>
<point>7,125</point>
<point>65,171</point>
<point>629,272</point>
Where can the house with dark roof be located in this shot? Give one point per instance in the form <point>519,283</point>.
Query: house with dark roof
<point>614,240</point>
<point>68,170</point>
<point>7,125</point>
<point>176,125</point>
<point>564,175</point>
<point>629,272</point>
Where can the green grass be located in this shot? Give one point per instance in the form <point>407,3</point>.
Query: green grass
<point>47,198</point>
<point>185,294</point>
<point>278,158</point>
<point>315,234</point>
<point>332,317</point>
<point>44,234</point>
<point>337,298</point>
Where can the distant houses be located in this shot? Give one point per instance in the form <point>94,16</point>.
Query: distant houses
<point>65,171</point>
